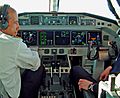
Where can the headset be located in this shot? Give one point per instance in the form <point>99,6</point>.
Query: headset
<point>3,16</point>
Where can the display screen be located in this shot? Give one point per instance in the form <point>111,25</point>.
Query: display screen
<point>29,37</point>
<point>46,37</point>
<point>78,37</point>
<point>62,37</point>
<point>94,37</point>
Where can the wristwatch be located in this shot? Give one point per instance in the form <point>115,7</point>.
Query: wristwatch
<point>90,87</point>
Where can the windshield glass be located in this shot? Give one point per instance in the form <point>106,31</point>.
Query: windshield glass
<point>97,7</point>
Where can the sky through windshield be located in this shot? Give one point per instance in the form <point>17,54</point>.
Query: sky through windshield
<point>97,7</point>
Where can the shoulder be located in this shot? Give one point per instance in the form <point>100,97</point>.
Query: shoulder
<point>16,41</point>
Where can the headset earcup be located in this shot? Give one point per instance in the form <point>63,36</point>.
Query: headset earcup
<point>3,16</point>
<point>4,25</point>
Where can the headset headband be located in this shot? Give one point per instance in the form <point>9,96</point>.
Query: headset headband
<point>3,16</point>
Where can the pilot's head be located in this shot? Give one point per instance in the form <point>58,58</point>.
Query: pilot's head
<point>8,20</point>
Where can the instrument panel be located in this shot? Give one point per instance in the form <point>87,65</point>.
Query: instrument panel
<point>56,19</point>
<point>66,34</point>
<point>70,34</point>
<point>46,38</point>
<point>66,29</point>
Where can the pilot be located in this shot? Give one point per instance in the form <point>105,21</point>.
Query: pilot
<point>14,55</point>
<point>81,79</point>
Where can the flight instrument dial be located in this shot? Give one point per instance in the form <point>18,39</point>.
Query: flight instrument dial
<point>29,37</point>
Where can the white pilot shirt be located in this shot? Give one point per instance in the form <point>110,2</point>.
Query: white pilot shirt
<point>14,55</point>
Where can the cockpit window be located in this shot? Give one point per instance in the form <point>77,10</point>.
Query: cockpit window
<point>98,7</point>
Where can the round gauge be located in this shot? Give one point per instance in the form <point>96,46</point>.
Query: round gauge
<point>29,37</point>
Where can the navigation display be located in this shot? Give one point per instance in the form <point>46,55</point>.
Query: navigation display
<point>78,37</point>
<point>62,37</point>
